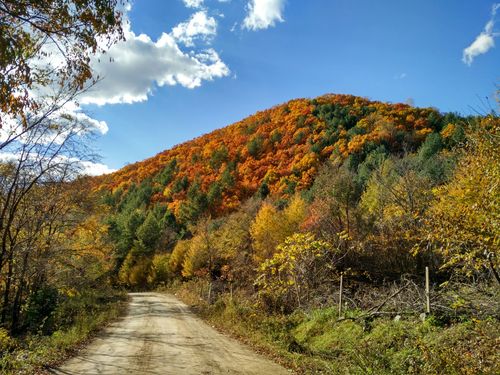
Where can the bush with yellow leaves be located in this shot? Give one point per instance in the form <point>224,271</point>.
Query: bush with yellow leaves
<point>301,266</point>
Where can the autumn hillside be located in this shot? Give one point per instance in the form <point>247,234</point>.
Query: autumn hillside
<point>278,151</point>
<point>337,234</point>
<point>308,229</point>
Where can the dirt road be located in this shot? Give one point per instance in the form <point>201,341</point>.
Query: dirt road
<point>161,336</point>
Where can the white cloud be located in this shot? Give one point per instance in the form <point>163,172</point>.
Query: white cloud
<point>67,108</point>
<point>131,69</point>
<point>199,26</point>
<point>8,157</point>
<point>401,76</point>
<point>95,169</point>
<point>193,3</point>
<point>91,123</point>
<point>80,167</point>
<point>72,111</point>
<point>68,119</point>
<point>263,14</point>
<point>484,41</point>
<point>83,167</point>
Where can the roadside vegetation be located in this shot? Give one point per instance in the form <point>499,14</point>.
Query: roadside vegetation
<point>54,285</point>
<point>61,325</point>
<point>318,341</point>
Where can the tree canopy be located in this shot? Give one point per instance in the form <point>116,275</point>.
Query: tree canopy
<point>33,32</point>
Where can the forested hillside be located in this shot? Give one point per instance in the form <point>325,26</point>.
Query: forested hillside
<point>305,229</point>
<point>349,169</point>
<point>260,221</point>
<point>278,151</point>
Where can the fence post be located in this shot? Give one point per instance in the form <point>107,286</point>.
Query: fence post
<point>340,294</point>
<point>427,292</point>
<point>209,297</point>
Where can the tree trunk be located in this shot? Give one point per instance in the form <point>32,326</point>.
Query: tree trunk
<point>492,266</point>
<point>16,307</point>
<point>6,294</point>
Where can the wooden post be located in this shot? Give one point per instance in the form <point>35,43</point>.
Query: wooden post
<point>427,292</point>
<point>209,293</point>
<point>340,294</point>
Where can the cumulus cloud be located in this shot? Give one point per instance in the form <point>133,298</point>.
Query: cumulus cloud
<point>193,3</point>
<point>83,167</point>
<point>90,123</point>
<point>95,169</point>
<point>131,69</point>
<point>484,41</point>
<point>71,111</point>
<point>262,14</point>
<point>199,26</point>
<point>65,118</point>
<point>52,97</point>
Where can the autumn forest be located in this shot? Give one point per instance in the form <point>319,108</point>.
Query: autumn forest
<point>334,235</point>
<point>272,211</point>
<point>367,177</point>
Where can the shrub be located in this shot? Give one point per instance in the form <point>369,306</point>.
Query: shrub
<point>40,308</point>
<point>294,273</point>
<point>159,272</point>
<point>7,343</point>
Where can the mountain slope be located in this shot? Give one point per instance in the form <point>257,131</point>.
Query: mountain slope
<point>275,151</point>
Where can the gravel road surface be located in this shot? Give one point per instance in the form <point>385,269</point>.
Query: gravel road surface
<point>161,336</point>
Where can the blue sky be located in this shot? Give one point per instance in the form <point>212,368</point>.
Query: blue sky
<point>191,66</point>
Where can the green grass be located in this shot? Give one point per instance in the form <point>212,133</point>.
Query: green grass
<point>85,314</point>
<point>317,343</point>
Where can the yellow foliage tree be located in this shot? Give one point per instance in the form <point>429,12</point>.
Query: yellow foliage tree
<point>299,267</point>
<point>464,223</point>
<point>159,272</point>
<point>265,232</point>
<point>271,227</point>
<point>294,213</point>
<point>178,255</point>
<point>202,255</point>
